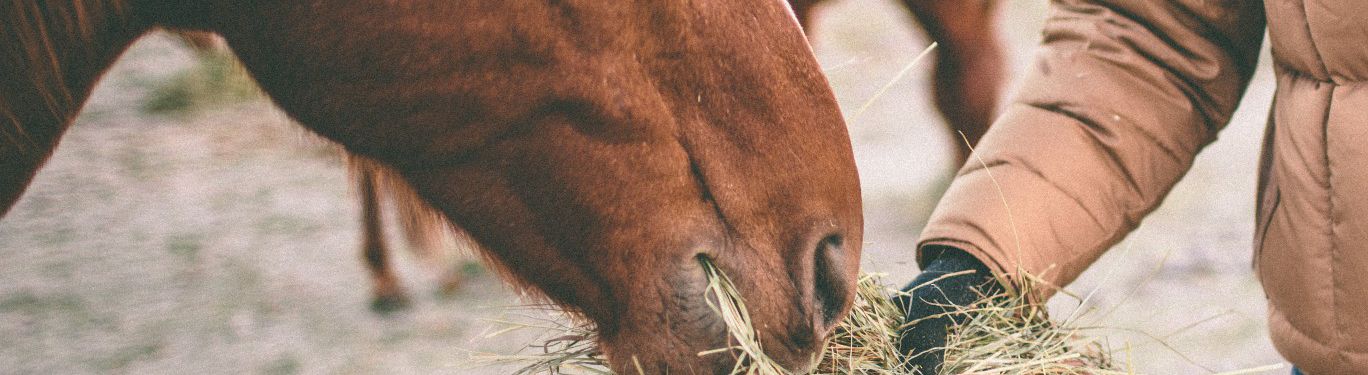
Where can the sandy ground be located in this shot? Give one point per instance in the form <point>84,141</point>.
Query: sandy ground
<point>223,240</point>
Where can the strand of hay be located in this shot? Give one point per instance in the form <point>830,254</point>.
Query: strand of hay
<point>567,347</point>
<point>866,342</point>
<point>1000,335</point>
<point>724,299</point>
<point>1006,334</point>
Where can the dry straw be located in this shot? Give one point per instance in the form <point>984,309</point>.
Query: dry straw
<point>1007,334</point>
<point>999,334</point>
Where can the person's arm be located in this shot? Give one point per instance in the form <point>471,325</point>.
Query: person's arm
<point>1122,96</point>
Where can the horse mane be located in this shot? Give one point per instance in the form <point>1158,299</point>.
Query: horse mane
<point>428,232</point>
<point>426,229</point>
<point>49,35</point>
<point>41,41</point>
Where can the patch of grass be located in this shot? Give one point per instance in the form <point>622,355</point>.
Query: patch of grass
<point>138,164</point>
<point>56,237</point>
<point>283,224</point>
<point>126,356</point>
<point>66,306</point>
<point>285,365</point>
<point>185,245</point>
<point>471,268</point>
<point>218,79</point>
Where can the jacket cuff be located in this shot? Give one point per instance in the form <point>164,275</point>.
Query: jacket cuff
<point>928,250</point>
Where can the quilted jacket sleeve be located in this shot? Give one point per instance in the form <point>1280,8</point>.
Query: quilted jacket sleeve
<point>1122,96</point>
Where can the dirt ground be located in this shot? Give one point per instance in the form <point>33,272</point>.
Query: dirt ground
<point>222,239</point>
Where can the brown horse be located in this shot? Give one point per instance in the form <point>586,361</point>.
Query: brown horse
<point>594,149</point>
<point>969,75</point>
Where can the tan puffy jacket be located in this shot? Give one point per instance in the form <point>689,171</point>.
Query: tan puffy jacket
<point>1123,95</point>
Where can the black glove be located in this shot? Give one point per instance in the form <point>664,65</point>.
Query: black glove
<point>922,342</point>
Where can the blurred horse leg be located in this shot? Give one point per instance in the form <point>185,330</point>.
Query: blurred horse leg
<point>429,236</point>
<point>389,295</point>
<point>435,243</point>
<point>969,63</point>
<point>202,42</point>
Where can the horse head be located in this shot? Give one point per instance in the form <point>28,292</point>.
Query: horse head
<point>595,149</point>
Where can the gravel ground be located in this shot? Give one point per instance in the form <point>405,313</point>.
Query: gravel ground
<point>223,239</point>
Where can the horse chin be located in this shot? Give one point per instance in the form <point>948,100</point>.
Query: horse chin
<point>669,341</point>
<point>689,341</point>
<point>658,353</point>
<point>641,359</point>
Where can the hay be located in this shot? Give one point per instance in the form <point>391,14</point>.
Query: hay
<point>999,334</point>
<point>866,342</point>
<point>567,347</point>
<point>1003,335</point>
<point>724,299</point>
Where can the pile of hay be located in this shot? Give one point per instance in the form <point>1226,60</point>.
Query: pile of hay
<point>1008,335</point>
<point>1000,335</point>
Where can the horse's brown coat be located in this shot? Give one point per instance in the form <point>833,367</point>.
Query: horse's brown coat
<point>968,80</point>
<point>595,149</point>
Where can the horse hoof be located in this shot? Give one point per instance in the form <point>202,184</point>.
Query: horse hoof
<point>385,305</point>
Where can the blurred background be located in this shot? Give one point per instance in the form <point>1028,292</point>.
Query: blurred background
<point>185,224</point>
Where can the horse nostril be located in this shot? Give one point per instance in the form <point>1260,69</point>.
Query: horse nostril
<point>832,290</point>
